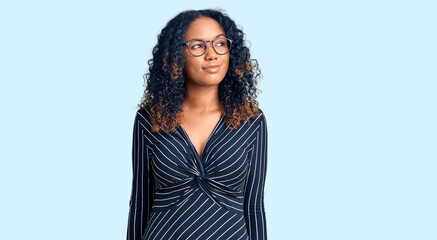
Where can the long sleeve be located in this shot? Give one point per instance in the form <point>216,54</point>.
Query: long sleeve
<point>142,181</point>
<point>254,193</point>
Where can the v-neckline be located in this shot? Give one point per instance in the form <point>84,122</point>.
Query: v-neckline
<point>207,141</point>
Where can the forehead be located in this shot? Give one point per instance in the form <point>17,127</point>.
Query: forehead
<point>205,28</point>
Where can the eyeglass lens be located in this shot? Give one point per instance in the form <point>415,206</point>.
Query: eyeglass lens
<point>198,47</point>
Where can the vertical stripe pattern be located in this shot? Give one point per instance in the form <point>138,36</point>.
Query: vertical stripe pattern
<point>177,194</point>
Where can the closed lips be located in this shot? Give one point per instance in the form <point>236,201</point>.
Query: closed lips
<point>212,66</point>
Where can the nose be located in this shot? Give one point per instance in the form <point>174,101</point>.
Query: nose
<point>210,52</point>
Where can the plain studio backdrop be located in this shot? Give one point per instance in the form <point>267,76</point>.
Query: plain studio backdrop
<point>349,93</point>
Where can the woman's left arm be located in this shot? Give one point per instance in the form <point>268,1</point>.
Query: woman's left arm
<point>254,194</point>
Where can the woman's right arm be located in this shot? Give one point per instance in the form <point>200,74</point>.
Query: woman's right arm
<point>141,199</point>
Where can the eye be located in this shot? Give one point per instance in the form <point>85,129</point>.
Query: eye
<point>197,46</point>
<point>221,43</point>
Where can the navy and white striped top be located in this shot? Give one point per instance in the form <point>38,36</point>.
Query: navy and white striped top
<point>177,194</point>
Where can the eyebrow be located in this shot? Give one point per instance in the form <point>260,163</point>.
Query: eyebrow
<point>215,36</point>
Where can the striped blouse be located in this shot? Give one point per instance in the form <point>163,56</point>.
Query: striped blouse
<point>177,194</point>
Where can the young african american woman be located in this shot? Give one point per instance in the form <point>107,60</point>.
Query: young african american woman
<point>204,180</point>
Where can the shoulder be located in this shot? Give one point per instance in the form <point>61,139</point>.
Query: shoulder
<point>261,117</point>
<point>259,121</point>
<point>143,116</point>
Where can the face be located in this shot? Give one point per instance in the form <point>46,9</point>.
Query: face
<point>198,70</point>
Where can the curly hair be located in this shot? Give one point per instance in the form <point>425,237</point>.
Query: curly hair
<point>165,81</point>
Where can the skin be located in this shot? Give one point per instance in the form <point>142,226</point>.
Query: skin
<point>201,107</point>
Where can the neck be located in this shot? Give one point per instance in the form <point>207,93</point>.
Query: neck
<point>201,99</point>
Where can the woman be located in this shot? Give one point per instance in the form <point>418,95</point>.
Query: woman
<point>200,141</point>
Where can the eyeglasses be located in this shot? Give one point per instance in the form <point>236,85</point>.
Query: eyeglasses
<point>197,47</point>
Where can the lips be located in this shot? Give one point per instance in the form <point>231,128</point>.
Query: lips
<point>211,68</point>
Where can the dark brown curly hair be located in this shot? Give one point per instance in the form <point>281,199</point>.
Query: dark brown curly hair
<point>165,82</point>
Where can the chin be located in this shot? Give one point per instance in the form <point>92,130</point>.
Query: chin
<point>212,79</point>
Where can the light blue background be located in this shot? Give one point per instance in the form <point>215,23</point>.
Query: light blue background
<point>349,92</point>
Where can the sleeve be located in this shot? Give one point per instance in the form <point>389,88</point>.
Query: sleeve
<point>254,192</point>
<point>141,199</point>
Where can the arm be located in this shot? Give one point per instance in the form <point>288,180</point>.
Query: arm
<point>254,193</point>
<point>142,181</point>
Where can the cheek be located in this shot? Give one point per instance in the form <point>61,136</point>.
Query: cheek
<point>226,63</point>
<point>226,60</point>
<point>191,68</point>
<point>192,64</point>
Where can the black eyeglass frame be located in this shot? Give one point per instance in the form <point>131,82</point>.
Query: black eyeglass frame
<point>206,44</point>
